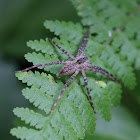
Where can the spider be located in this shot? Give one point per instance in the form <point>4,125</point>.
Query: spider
<point>78,63</point>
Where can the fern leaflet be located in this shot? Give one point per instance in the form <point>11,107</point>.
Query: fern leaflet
<point>113,45</point>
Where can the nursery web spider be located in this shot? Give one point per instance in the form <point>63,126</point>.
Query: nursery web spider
<point>78,63</point>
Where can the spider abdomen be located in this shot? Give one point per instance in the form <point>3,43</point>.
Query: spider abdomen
<point>68,69</point>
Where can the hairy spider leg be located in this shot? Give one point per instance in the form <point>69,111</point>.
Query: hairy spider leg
<point>63,50</point>
<point>86,84</point>
<point>41,65</point>
<point>84,44</point>
<point>95,68</point>
<point>89,67</point>
<point>64,88</point>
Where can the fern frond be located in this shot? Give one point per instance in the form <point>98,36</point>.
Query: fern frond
<point>109,47</point>
<point>44,82</point>
<point>43,45</point>
<point>121,67</point>
<point>114,92</point>
<point>41,59</point>
<point>63,126</point>
<point>80,101</point>
<point>130,7</point>
<point>38,98</point>
<point>68,30</point>
<point>39,95</point>
<point>25,134</point>
<point>30,117</point>
<point>105,16</point>
<point>101,98</point>
<point>114,60</point>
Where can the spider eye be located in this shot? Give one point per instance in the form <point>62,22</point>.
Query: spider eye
<point>82,60</point>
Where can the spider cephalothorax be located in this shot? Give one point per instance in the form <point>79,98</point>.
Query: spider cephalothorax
<point>78,63</point>
<point>72,66</point>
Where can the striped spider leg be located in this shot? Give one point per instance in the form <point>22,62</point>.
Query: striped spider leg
<point>52,63</point>
<point>77,64</point>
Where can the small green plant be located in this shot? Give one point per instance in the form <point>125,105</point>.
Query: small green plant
<point>113,45</point>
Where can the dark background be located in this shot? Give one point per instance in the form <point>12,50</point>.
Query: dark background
<point>21,21</point>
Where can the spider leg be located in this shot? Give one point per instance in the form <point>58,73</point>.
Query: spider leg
<point>86,83</point>
<point>46,64</point>
<point>84,44</point>
<point>102,71</point>
<point>64,88</point>
<point>63,50</point>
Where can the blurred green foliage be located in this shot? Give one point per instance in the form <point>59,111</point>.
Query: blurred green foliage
<point>21,21</point>
<point>123,126</point>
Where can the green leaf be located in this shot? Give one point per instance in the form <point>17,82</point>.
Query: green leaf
<point>25,133</point>
<point>29,116</point>
<point>80,100</point>
<point>45,82</point>
<point>109,47</point>
<point>67,30</point>
<point>38,98</point>
<point>119,128</point>
<point>101,99</point>
<point>73,117</point>
<point>43,45</point>
<point>104,17</point>
<point>41,59</point>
